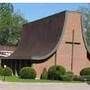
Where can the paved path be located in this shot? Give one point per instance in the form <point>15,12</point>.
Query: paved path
<point>43,86</point>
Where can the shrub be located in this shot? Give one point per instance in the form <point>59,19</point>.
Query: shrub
<point>1,71</point>
<point>44,74</point>
<point>77,78</point>
<point>85,73</point>
<point>27,73</point>
<point>68,76</point>
<point>7,71</point>
<point>56,72</point>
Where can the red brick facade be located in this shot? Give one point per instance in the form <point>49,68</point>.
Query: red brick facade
<point>64,51</point>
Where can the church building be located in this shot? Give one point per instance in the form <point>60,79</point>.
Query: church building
<point>54,40</point>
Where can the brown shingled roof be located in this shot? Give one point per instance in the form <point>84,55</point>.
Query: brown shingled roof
<point>40,38</point>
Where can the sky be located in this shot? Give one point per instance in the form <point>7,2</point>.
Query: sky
<point>32,11</point>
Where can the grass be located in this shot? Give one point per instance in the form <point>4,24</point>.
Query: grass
<point>17,79</point>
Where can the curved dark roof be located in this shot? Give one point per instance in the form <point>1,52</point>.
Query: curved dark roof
<point>40,38</point>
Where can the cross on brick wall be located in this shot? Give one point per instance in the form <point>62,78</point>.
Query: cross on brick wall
<point>72,43</point>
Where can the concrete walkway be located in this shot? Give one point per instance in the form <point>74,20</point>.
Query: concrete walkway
<point>43,86</point>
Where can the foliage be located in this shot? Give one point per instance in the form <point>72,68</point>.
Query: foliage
<point>44,74</point>
<point>10,24</point>
<point>85,11</point>
<point>1,71</point>
<point>7,71</point>
<point>56,72</point>
<point>27,73</point>
<point>77,78</point>
<point>85,73</point>
<point>68,76</point>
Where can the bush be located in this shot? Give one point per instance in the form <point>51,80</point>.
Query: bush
<point>44,74</point>
<point>77,78</point>
<point>7,71</point>
<point>27,73</point>
<point>56,72</point>
<point>68,76</point>
<point>85,73</point>
<point>1,71</point>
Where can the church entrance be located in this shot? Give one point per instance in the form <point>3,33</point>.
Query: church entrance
<point>16,65</point>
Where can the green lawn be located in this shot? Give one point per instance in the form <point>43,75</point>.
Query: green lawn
<point>17,79</point>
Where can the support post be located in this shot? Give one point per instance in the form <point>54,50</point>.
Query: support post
<point>55,58</point>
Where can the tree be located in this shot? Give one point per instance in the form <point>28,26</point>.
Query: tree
<point>10,24</point>
<point>85,11</point>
